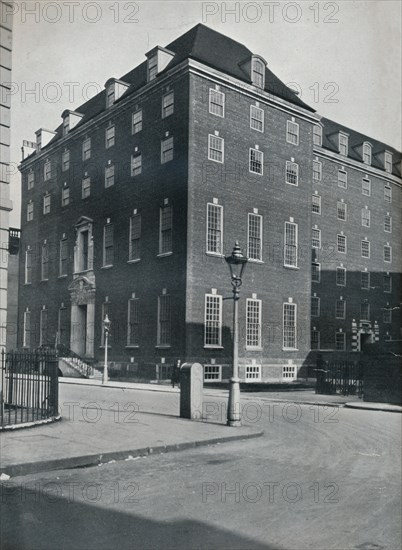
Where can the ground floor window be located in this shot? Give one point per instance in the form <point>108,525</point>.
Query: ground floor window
<point>212,372</point>
<point>253,373</point>
<point>289,372</point>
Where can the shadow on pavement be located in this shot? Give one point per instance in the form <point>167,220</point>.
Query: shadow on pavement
<point>29,521</point>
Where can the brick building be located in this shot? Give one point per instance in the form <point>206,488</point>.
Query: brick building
<point>129,207</point>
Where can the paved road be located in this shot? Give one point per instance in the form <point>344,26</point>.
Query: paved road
<point>319,479</point>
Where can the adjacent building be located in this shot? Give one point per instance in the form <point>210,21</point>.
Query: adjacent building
<point>130,205</point>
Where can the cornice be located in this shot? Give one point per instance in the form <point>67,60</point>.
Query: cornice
<point>364,168</point>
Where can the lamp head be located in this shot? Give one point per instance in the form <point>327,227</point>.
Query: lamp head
<point>237,263</point>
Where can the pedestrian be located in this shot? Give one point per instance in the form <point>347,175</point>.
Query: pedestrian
<point>176,374</point>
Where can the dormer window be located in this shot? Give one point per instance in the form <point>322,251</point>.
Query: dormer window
<point>388,162</point>
<point>70,120</point>
<point>110,94</point>
<point>343,144</point>
<point>114,90</point>
<point>366,153</point>
<point>66,125</point>
<point>258,72</point>
<point>158,60</point>
<point>152,67</point>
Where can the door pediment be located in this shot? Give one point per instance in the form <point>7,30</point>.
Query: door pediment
<point>82,291</point>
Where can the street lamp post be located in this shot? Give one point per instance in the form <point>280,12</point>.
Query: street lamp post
<point>237,263</point>
<point>106,328</point>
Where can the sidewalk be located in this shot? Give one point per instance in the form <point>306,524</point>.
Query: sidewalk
<point>301,396</point>
<point>90,436</point>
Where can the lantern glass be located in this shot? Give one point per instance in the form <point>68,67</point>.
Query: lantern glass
<point>237,262</point>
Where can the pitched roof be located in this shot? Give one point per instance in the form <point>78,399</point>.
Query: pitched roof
<point>356,139</point>
<point>201,44</point>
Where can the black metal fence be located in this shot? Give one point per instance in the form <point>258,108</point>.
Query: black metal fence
<point>29,387</point>
<point>343,377</point>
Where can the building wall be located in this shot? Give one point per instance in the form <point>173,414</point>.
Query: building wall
<point>146,193</point>
<point>239,192</point>
<point>6,33</point>
<point>353,261</point>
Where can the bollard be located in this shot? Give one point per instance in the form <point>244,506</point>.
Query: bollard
<point>191,388</point>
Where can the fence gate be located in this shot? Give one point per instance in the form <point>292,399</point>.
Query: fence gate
<point>343,377</point>
<point>29,387</point>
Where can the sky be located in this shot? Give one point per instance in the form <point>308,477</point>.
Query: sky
<point>343,57</point>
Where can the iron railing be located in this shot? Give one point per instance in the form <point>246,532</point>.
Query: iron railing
<point>84,366</point>
<point>29,387</point>
<point>343,377</point>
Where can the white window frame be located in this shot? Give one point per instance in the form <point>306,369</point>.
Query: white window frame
<point>217,297</point>
<point>343,237</point>
<point>63,242</point>
<point>167,149</point>
<point>27,329</point>
<point>365,217</point>
<point>342,181</point>
<point>31,180</point>
<point>216,105</point>
<point>105,229</point>
<point>366,153</point>
<point>167,340</point>
<point>317,170</point>
<point>131,256</point>
<point>290,165</point>
<point>388,162</point>
<point>316,204</point>
<point>221,151</point>
<point>109,176</point>
<point>289,372</point>
<point>340,308</point>
<point>368,248</point>
<point>258,72</point>
<point>65,196</point>
<point>341,208</point>
<point>343,334</point>
<point>30,211</point>
<point>343,144</point>
<point>250,216</point>
<point>250,326</point>
<point>387,315</point>
<point>389,247</point>
<point>28,267</point>
<point>254,120</point>
<point>136,122</point>
<point>47,200</point>
<point>162,231</point>
<point>316,265</point>
<point>315,239</point>
<point>110,136</point>
<point>387,223</point>
<point>133,302</point>
<point>65,160</point>
<point>86,188</point>
<point>387,193</point>
<point>292,136</point>
<point>47,170</point>
<point>366,187</point>
<point>44,262</point>
<point>86,149</point>
<point>136,164</point>
<point>168,104</point>
<point>212,373</point>
<point>209,229</point>
<point>257,161</point>
<point>294,308</point>
<point>252,373</point>
<point>317,135</point>
<point>294,247</point>
<point>338,270</point>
